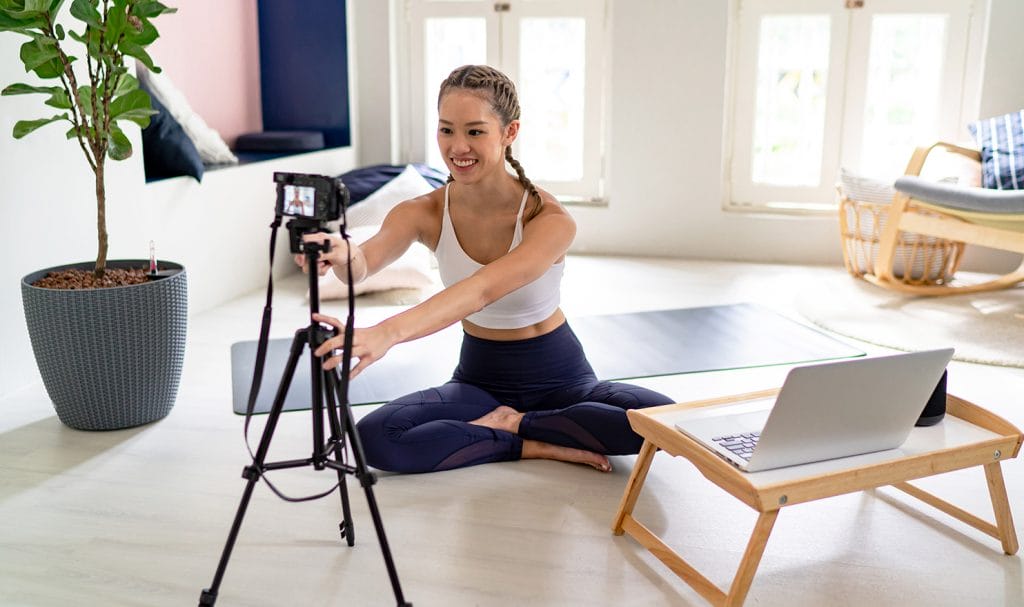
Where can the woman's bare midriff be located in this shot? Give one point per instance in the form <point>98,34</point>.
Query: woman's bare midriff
<point>543,327</point>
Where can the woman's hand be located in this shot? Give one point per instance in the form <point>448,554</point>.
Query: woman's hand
<point>368,345</point>
<point>336,257</point>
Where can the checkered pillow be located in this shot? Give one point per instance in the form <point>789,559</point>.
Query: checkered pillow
<point>1001,141</point>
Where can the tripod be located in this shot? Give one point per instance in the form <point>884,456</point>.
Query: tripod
<point>327,453</point>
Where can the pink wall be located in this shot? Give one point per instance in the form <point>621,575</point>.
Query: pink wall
<point>210,50</point>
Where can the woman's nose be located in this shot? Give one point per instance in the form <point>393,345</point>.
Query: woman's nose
<point>459,144</point>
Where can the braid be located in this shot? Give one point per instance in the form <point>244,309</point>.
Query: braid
<point>504,103</point>
<point>523,179</point>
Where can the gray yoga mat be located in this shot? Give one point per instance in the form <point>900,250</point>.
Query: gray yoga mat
<point>619,347</point>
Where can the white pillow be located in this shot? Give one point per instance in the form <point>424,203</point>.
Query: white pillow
<point>208,142</point>
<point>372,210</point>
<point>410,271</point>
<point>865,189</point>
<point>952,168</point>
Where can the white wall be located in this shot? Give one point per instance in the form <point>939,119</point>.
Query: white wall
<point>1002,89</point>
<point>668,102</point>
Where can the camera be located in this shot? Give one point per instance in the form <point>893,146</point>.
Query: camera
<point>312,200</point>
<point>315,197</point>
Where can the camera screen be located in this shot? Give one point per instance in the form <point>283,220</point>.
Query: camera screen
<point>299,200</point>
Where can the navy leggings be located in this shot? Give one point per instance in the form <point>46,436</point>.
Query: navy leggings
<point>547,378</point>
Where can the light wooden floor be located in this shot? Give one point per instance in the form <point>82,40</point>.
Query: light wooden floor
<point>139,517</point>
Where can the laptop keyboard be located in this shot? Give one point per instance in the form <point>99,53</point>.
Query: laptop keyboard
<point>741,445</point>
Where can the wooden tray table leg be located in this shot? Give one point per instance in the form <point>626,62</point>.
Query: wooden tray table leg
<point>635,484</point>
<point>1001,506</point>
<point>751,559</point>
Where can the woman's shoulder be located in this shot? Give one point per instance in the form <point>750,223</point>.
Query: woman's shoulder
<point>550,206</point>
<point>420,217</point>
<point>430,205</point>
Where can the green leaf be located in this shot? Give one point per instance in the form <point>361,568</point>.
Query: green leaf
<point>28,9</point>
<point>147,9</point>
<point>118,145</point>
<point>60,31</point>
<point>117,21</point>
<point>24,127</point>
<point>59,99</point>
<point>53,69</point>
<point>40,55</point>
<point>84,10</point>
<point>25,89</point>
<point>132,106</point>
<point>134,50</point>
<point>126,84</point>
<point>85,98</point>
<point>22,25</point>
<point>38,51</point>
<point>144,36</point>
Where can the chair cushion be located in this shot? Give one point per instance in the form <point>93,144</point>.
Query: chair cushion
<point>1001,142</point>
<point>980,200</point>
<point>280,141</point>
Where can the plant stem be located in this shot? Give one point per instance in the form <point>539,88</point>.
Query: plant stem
<point>101,220</point>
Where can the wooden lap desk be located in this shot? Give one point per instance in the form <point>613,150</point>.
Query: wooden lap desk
<point>968,436</point>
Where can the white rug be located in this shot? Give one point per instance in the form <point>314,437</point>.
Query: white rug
<point>983,327</point>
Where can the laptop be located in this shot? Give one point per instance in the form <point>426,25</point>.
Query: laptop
<point>823,411</point>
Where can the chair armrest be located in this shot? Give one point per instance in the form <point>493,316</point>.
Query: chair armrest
<point>920,154</point>
<point>978,200</point>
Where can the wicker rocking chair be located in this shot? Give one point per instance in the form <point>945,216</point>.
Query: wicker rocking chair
<point>979,216</point>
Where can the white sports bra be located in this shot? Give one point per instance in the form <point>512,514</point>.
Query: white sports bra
<point>523,307</point>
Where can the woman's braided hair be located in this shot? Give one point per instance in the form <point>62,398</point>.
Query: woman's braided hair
<point>504,102</point>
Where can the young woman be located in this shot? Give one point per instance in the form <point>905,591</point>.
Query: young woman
<point>523,387</point>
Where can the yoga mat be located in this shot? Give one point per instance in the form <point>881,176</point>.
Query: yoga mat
<point>619,347</point>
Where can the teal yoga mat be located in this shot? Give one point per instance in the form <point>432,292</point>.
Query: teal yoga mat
<point>619,347</point>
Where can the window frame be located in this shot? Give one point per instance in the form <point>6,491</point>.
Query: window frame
<point>851,29</point>
<point>502,44</point>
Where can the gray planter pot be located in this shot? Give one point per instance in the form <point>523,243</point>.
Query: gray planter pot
<point>109,358</point>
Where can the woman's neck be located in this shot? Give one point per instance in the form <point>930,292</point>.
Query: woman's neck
<point>503,192</point>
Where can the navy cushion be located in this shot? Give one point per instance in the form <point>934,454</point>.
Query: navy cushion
<point>364,181</point>
<point>1001,142</point>
<point>167,150</point>
<point>280,141</point>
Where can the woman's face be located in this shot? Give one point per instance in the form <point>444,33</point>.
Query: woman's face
<point>470,136</point>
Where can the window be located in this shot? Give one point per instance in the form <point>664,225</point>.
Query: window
<point>820,84</point>
<point>552,49</point>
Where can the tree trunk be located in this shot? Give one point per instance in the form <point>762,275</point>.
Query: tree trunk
<point>101,219</point>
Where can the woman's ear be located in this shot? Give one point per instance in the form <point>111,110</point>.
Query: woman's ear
<point>511,132</point>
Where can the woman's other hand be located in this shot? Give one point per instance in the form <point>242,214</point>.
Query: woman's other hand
<point>368,345</point>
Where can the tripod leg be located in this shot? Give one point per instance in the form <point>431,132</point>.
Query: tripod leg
<point>209,595</point>
<point>367,479</point>
<point>338,440</point>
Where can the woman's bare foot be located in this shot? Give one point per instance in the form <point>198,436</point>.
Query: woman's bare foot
<point>502,418</point>
<point>537,450</point>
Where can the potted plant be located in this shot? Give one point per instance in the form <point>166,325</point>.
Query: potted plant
<point>108,337</point>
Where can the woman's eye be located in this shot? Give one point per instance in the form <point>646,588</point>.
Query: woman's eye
<point>475,132</point>
<point>444,131</point>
